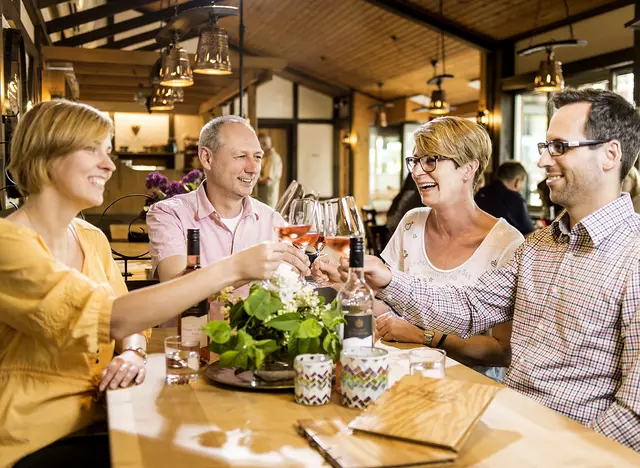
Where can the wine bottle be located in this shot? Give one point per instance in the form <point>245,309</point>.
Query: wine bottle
<point>356,301</point>
<point>190,321</point>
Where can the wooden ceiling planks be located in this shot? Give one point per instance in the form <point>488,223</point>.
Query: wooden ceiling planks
<point>502,19</point>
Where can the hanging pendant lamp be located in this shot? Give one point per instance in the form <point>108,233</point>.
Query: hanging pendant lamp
<point>161,98</point>
<point>438,104</point>
<point>549,78</point>
<point>176,68</point>
<point>212,56</point>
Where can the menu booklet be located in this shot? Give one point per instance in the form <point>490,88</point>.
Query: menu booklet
<point>418,422</point>
<point>436,412</point>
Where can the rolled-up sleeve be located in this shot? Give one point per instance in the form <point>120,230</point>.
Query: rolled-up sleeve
<point>42,298</point>
<point>166,233</point>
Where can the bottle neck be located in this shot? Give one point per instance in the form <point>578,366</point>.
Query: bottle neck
<point>356,273</point>
<point>193,262</point>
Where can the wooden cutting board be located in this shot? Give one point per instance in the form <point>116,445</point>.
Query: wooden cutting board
<point>344,449</point>
<point>437,412</point>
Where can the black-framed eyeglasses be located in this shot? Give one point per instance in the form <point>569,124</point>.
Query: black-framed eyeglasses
<point>559,147</point>
<point>427,163</point>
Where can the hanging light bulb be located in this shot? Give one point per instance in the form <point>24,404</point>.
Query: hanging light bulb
<point>212,55</point>
<point>549,78</point>
<point>161,98</point>
<point>381,116</point>
<point>176,69</point>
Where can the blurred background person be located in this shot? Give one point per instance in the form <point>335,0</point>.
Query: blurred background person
<point>503,198</point>
<point>631,185</point>
<point>270,173</point>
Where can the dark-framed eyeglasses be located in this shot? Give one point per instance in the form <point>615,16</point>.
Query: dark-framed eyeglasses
<point>559,147</point>
<point>427,163</point>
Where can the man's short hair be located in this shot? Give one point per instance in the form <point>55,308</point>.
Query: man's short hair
<point>48,132</point>
<point>611,117</point>
<point>210,133</point>
<point>510,170</point>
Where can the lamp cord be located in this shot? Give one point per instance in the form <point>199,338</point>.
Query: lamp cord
<point>535,21</point>
<point>442,39</point>
<point>566,9</point>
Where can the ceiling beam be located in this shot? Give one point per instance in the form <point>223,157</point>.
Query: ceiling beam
<point>93,14</point>
<point>12,15</point>
<point>49,3</point>
<point>436,22</point>
<point>615,5</point>
<point>122,26</point>
<point>107,56</point>
<point>132,40</point>
<point>35,15</point>
<point>115,106</point>
<point>106,69</point>
<point>251,77</point>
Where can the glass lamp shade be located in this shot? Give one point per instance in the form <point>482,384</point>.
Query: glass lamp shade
<point>549,78</point>
<point>212,56</point>
<point>176,69</point>
<point>438,104</point>
<point>161,98</point>
<point>381,119</point>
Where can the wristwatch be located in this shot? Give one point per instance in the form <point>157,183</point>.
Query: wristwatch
<point>140,351</point>
<point>428,337</point>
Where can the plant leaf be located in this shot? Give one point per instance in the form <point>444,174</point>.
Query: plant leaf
<point>261,304</point>
<point>267,346</point>
<point>237,315</point>
<point>310,328</point>
<point>285,322</point>
<point>244,340</point>
<point>332,317</point>
<point>227,358</point>
<point>218,330</point>
<point>309,345</point>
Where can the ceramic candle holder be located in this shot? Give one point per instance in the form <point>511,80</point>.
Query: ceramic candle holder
<point>312,381</point>
<point>364,376</point>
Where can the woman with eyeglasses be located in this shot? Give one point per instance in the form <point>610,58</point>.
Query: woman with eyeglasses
<point>449,240</point>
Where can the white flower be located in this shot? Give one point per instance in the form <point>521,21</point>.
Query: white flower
<point>225,311</point>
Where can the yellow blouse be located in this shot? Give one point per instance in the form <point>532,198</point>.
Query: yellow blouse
<point>54,337</point>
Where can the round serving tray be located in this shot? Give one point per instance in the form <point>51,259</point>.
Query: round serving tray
<point>235,377</point>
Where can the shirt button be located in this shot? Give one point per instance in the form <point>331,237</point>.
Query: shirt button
<point>569,255</point>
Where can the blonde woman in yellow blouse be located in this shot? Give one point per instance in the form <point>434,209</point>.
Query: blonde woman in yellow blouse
<point>62,299</point>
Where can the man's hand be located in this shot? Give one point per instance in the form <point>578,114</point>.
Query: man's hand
<point>326,271</point>
<point>376,273</point>
<point>390,327</point>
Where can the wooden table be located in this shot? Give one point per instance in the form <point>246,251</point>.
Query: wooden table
<point>154,425</point>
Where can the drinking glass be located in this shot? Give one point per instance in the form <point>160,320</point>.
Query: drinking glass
<point>308,211</point>
<point>294,191</point>
<point>182,357</point>
<point>427,362</point>
<point>312,381</point>
<point>343,221</point>
<point>363,376</point>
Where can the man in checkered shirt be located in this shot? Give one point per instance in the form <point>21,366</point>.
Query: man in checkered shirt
<point>572,289</point>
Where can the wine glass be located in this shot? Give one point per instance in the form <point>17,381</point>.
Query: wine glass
<point>343,222</point>
<point>294,191</point>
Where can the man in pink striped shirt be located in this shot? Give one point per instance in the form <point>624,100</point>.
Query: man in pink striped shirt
<point>222,208</point>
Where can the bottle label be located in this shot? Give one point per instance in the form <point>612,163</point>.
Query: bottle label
<point>358,331</point>
<point>191,329</point>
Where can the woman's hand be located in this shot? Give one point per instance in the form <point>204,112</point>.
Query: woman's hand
<point>261,261</point>
<point>326,271</point>
<point>121,371</point>
<point>390,327</point>
<point>376,273</point>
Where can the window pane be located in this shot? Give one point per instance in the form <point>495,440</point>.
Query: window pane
<point>530,129</point>
<point>623,85</point>
<point>604,84</point>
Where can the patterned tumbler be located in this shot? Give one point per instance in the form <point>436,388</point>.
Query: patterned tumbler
<point>312,381</point>
<point>363,377</point>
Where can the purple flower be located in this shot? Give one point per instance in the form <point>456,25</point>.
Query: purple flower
<point>192,176</point>
<point>174,188</point>
<point>155,179</point>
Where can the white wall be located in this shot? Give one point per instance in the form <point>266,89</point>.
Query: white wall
<point>154,130</point>
<point>605,33</point>
<point>314,105</point>
<point>315,157</point>
<point>275,99</point>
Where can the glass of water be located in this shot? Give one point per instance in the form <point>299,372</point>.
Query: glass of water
<point>427,362</point>
<point>182,356</point>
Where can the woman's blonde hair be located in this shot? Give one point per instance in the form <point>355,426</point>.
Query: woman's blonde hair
<point>456,138</point>
<point>50,130</point>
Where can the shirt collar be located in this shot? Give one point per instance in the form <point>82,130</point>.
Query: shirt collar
<point>598,225</point>
<point>206,209</point>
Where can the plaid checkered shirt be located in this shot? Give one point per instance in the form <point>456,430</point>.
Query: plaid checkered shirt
<point>574,298</point>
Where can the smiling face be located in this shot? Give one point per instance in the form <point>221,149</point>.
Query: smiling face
<point>576,175</point>
<point>235,168</point>
<point>80,177</point>
<point>443,186</point>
